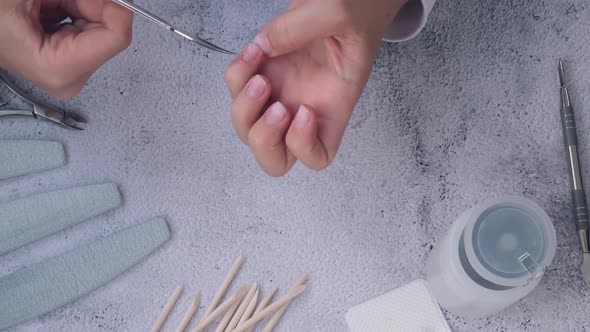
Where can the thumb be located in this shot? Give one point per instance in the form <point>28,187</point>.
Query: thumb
<point>297,27</point>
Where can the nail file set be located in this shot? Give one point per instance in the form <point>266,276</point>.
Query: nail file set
<point>40,288</point>
<point>25,157</point>
<point>43,287</point>
<point>33,218</point>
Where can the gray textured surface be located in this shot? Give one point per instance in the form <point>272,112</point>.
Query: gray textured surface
<point>465,111</point>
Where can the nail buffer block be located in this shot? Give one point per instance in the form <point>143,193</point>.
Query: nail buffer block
<point>43,287</point>
<point>26,220</point>
<point>25,157</point>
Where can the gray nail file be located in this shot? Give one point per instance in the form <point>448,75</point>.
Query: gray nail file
<point>25,157</point>
<point>26,220</point>
<point>46,286</point>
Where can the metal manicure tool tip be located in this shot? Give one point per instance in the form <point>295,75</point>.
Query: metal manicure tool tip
<point>161,22</point>
<point>565,97</point>
<point>63,118</point>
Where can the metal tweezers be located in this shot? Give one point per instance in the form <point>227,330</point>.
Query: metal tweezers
<point>60,117</point>
<point>161,22</point>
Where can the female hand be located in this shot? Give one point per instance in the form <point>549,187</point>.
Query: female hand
<point>61,57</point>
<point>296,86</point>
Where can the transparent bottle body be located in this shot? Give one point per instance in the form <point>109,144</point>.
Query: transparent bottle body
<point>453,287</point>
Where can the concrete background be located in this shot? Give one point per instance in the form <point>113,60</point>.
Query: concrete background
<point>466,111</point>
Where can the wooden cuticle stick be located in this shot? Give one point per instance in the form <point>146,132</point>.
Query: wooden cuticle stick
<point>263,304</point>
<point>224,286</point>
<point>250,308</point>
<point>167,308</point>
<point>268,310</point>
<point>227,317</point>
<point>242,308</point>
<point>222,308</point>
<point>190,313</point>
<point>279,313</point>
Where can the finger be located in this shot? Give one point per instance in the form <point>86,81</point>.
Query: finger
<point>88,10</point>
<point>267,141</point>
<point>69,88</point>
<point>295,3</point>
<point>86,49</point>
<point>91,10</point>
<point>115,17</point>
<point>66,30</point>
<point>51,17</point>
<point>305,144</point>
<point>113,26</point>
<point>107,32</point>
<point>248,105</point>
<point>50,4</point>
<point>242,68</point>
<point>299,26</point>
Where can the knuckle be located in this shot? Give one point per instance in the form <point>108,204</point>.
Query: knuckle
<point>313,156</point>
<point>55,82</point>
<point>244,141</point>
<point>232,79</point>
<point>125,40</point>
<point>238,118</point>
<point>235,116</point>
<point>120,41</point>
<point>282,36</point>
<point>50,74</point>
<point>228,74</point>
<point>238,124</point>
<point>295,145</point>
<point>256,140</point>
<point>341,11</point>
<point>69,93</point>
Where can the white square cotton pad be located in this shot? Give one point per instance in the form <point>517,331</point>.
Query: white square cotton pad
<point>410,308</point>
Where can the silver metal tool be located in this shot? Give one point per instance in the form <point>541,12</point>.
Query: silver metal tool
<point>161,22</point>
<point>570,137</point>
<point>60,117</point>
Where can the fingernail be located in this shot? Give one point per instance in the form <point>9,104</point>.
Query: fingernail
<point>256,87</point>
<point>261,40</point>
<point>276,114</point>
<point>250,53</point>
<point>302,117</point>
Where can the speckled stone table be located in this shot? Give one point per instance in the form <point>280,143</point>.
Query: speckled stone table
<point>466,111</point>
